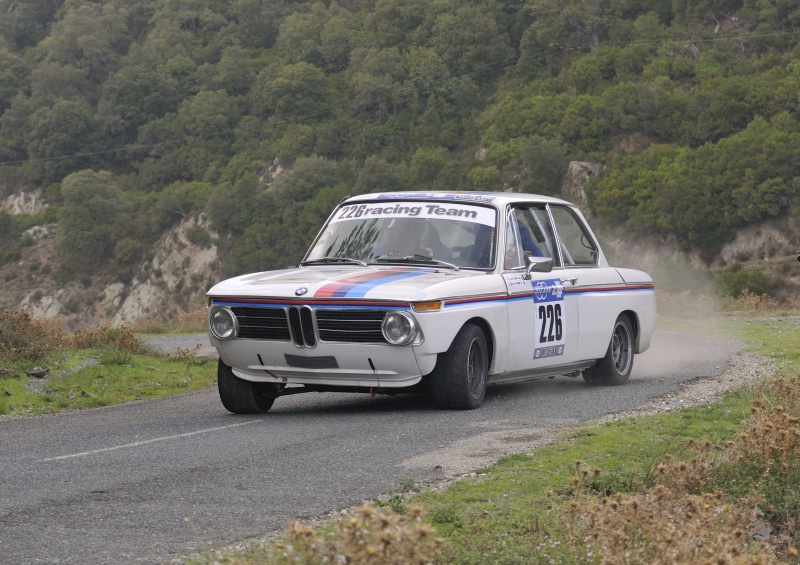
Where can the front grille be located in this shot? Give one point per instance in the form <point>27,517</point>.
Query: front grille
<point>297,324</point>
<point>350,326</point>
<point>262,323</point>
<point>301,323</point>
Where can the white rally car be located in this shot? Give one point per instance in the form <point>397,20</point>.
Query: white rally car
<point>439,292</point>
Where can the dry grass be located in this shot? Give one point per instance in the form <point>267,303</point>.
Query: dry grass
<point>666,525</point>
<point>694,305</point>
<point>749,302</point>
<point>766,454</point>
<point>25,338</point>
<point>734,504</point>
<point>120,338</point>
<point>193,321</point>
<point>376,536</point>
<point>190,322</point>
<point>22,337</point>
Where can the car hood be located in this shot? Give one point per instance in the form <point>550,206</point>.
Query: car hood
<point>373,282</point>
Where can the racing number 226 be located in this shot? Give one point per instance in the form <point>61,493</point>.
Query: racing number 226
<point>550,315</point>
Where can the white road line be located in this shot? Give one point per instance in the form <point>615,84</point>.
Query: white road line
<point>145,442</point>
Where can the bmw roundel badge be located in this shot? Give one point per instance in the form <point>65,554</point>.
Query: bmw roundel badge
<point>300,291</point>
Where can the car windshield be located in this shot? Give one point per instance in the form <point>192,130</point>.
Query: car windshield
<point>407,232</point>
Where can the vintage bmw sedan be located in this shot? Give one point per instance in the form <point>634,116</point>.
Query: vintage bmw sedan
<point>443,293</point>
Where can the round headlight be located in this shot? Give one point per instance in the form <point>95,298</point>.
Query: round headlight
<point>224,324</point>
<point>399,328</point>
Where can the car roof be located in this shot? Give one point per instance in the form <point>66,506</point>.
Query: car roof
<point>497,199</point>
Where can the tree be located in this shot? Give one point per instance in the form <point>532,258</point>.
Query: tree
<point>336,43</point>
<point>469,41</point>
<point>208,114</point>
<point>378,176</point>
<point>545,163</point>
<point>299,36</point>
<point>298,93</point>
<point>393,22</point>
<point>233,72</point>
<point>257,21</point>
<point>60,139</point>
<point>558,20</point>
<point>94,217</point>
<point>91,37</point>
<point>24,24</point>
<point>52,81</point>
<point>13,72</point>
<point>376,76</point>
<point>426,165</point>
<point>133,96</point>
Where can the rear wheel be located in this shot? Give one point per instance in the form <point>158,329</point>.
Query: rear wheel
<point>459,379</point>
<point>615,367</point>
<point>243,397</point>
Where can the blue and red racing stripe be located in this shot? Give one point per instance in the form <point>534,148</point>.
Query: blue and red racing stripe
<point>360,285</point>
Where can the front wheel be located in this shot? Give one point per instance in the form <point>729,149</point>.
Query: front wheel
<point>240,396</point>
<point>459,379</point>
<point>616,366</point>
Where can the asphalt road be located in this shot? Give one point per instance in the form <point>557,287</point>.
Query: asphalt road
<point>152,480</point>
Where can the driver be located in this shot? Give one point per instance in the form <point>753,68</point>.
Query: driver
<point>406,237</point>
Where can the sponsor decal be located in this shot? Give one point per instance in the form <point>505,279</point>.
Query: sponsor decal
<point>550,351</point>
<point>548,290</point>
<point>513,281</point>
<point>550,318</point>
<point>460,212</point>
<point>486,197</point>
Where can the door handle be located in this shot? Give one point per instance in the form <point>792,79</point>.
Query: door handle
<point>573,281</point>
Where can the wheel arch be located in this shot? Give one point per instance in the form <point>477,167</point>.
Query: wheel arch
<point>486,328</point>
<point>633,317</point>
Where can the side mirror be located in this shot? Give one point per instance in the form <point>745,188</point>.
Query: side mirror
<point>536,265</point>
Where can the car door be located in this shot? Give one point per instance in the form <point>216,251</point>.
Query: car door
<point>596,288</point>
<point>543,322</point>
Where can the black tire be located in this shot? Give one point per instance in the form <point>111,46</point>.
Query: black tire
<point>458,382</point>
<point>240,396</point>
<point>615,367</point>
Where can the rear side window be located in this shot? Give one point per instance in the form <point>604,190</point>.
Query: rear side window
<point>577,246</point>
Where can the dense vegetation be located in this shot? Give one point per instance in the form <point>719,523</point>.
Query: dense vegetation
<point>133,115</point>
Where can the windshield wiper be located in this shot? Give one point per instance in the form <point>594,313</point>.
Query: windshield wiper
<point>335,260</point>
<point>417,259</point>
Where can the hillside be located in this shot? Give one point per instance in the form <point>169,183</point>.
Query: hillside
<point>123,123</point>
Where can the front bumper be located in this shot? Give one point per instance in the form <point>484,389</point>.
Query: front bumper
<point>341,364</point>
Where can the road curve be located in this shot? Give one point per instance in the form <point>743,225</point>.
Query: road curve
<point>148,481</point>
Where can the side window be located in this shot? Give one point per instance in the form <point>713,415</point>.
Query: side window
<point>576,244</point>
<point>536,233</point>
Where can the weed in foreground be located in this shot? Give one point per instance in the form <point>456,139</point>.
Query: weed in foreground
<point>666,525</point>
<point>734,505</point>
<point>119,338</point>
<point>23,338</point>
<point>765,456</point>
<point>372,536</point>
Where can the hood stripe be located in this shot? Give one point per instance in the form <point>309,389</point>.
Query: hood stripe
<point>359,286</point>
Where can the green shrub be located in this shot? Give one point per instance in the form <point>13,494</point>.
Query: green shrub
<point>735,280</point>
<point>198,236</point>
